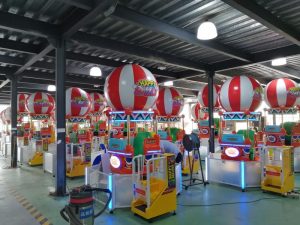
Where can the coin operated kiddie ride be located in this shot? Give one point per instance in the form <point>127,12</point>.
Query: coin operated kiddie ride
<point>277,158</point>
<point>5,139</point>
<point>40,106</point>
<point>237,164</point>
<point>23,124</point>
<point>79,136</point>
<point>202,109</point>
<point>98,126</point>
<point>169,105</point>
<point>131,103</point>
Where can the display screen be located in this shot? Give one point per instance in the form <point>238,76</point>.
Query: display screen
<point>115,162</point>
<point>232,152</point>
<point>271,138</point>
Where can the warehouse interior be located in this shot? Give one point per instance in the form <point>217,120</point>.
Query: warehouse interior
<point>58,42</point>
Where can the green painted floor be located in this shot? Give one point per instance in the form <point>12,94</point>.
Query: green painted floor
<point>33,184</point>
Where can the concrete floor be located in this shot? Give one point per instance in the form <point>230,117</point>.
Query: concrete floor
<point>33,184</point>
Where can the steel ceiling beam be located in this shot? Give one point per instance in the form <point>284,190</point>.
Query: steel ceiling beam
<point>32,49</point>
<point>67,29</point>
<point>259,57</point>
<point>265,17</point>
<point>34,59</point>
<point>13,22</point>
<point>140,52</point>
<point>290,72</point>
<point>51,77</point>
<point>68,84</point>
<point>18,46</point>
<point>82,4</point>
<point>45,64</point>
<point>81,17</point>
<point>147,22</point>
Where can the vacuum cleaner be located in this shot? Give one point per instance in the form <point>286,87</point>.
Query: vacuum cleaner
<point>80,210</point>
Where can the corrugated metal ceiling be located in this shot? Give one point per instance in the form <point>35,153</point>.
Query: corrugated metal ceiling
<point>235,29</point>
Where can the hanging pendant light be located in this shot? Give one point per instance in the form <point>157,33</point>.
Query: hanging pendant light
<point>278,62</point>
<point>207,31</point>
<point>95,71</point>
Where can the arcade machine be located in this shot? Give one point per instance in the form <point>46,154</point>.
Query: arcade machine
<point>2,133</point>
<point>238,163</point>
<point>97,120</point>
<point>124,148</point>
<point>277,157</point>
<point>23,123</point>
<point>204,130</point>
<point>98,141</point>
<point>79,136</point>
<point>295,142</point>
<point>131,101</point>
<point>168,106</point>
<point>6,142</point>
<point>284,102</point>
<point>40,106</point>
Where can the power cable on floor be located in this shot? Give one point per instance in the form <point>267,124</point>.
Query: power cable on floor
<point>226,203</point>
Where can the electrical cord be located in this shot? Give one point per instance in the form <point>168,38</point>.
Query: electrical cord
<point>226,203</point>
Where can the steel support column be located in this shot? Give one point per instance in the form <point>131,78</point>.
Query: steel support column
<point>13,132</point>
<point>60,178</point>
<point>210,76</point>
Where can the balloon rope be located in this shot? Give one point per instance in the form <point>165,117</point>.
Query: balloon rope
<point>247,120</point>
<point>282,119</point>
<point>128,129</point>
<point>220,128</point>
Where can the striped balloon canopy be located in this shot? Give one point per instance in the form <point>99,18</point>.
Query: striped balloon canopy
<point>6,115</point>
<point>131,87</point>
<point>170,102</point>
<point>1,117</point>
<point>203,95</point>
<point>40,103</point>
<point>21,104</point>
<point>98,102</point>
<point>197,114</point>
<point>240,94</point>
<point>281,93</point>
<point>78,102</point>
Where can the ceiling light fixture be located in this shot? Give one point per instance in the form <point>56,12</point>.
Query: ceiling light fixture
<point>51,88</point>
<point>278,62</point>
<point>95,71</point>
<point>161,67</point>
<point>207,31</point>
<point>168,83</point>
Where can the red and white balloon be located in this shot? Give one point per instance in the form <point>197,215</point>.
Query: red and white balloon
<point>197,114</point>
<point>22,103</point>
<point>131,87</point>
<point>98,102</point>
<point>78,102</point>
<point>1,117</point>
<point>7,115</point>
<point>203,95</point>
<point>40,103</point>
<point>240,94</point>
<point>281,93</point>
<point>170,102</point>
